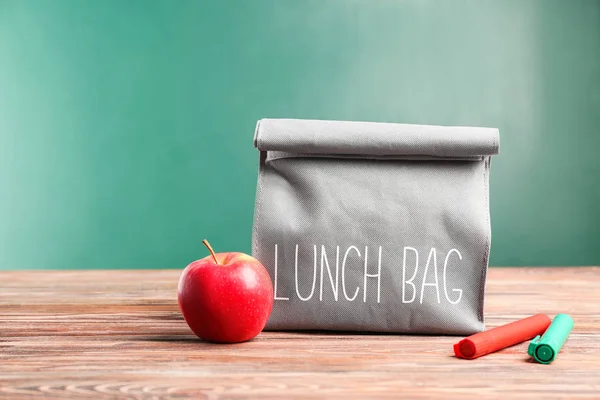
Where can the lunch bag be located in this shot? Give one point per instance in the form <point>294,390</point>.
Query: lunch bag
<point>374,227</point>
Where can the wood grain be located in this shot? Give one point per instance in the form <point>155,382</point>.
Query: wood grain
<point>113,334</point>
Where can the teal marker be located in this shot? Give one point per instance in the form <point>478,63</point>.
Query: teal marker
<point>545,349</point>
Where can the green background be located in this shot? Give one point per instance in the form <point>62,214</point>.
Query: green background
<point>126,126</point>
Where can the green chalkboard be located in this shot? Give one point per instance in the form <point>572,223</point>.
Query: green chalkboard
<point>126,126</point>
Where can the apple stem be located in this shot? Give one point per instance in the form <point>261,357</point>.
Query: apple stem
<point>212,252</point>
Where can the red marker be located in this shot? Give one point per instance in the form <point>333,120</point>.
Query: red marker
<point>501,337</point>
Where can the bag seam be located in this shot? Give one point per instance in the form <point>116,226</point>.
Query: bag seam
<point>415,157</point>
<point>487,242</point>
<point>258,202</point>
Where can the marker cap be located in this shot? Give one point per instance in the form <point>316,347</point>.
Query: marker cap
<point>544,349</point>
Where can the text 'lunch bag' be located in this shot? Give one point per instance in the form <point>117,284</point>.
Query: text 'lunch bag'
<point>374,227</point>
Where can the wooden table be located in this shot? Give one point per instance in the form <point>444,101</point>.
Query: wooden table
<point>106,334</point>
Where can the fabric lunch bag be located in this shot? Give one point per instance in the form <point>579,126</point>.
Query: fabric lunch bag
<point>374,227</point>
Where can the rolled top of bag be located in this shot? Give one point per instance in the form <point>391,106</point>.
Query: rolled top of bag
<point>374,139</point>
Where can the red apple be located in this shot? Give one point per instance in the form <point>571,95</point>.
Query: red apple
<point>225,297</point>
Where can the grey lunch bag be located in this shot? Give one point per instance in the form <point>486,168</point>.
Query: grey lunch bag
<point>374,227</point>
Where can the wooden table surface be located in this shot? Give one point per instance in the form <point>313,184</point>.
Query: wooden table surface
<point>108,334</point>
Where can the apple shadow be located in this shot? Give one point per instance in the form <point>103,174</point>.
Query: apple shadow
<point>185,338</point>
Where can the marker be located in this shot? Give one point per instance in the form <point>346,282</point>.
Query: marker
<point>501,337</point>
<point>545,349</point>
